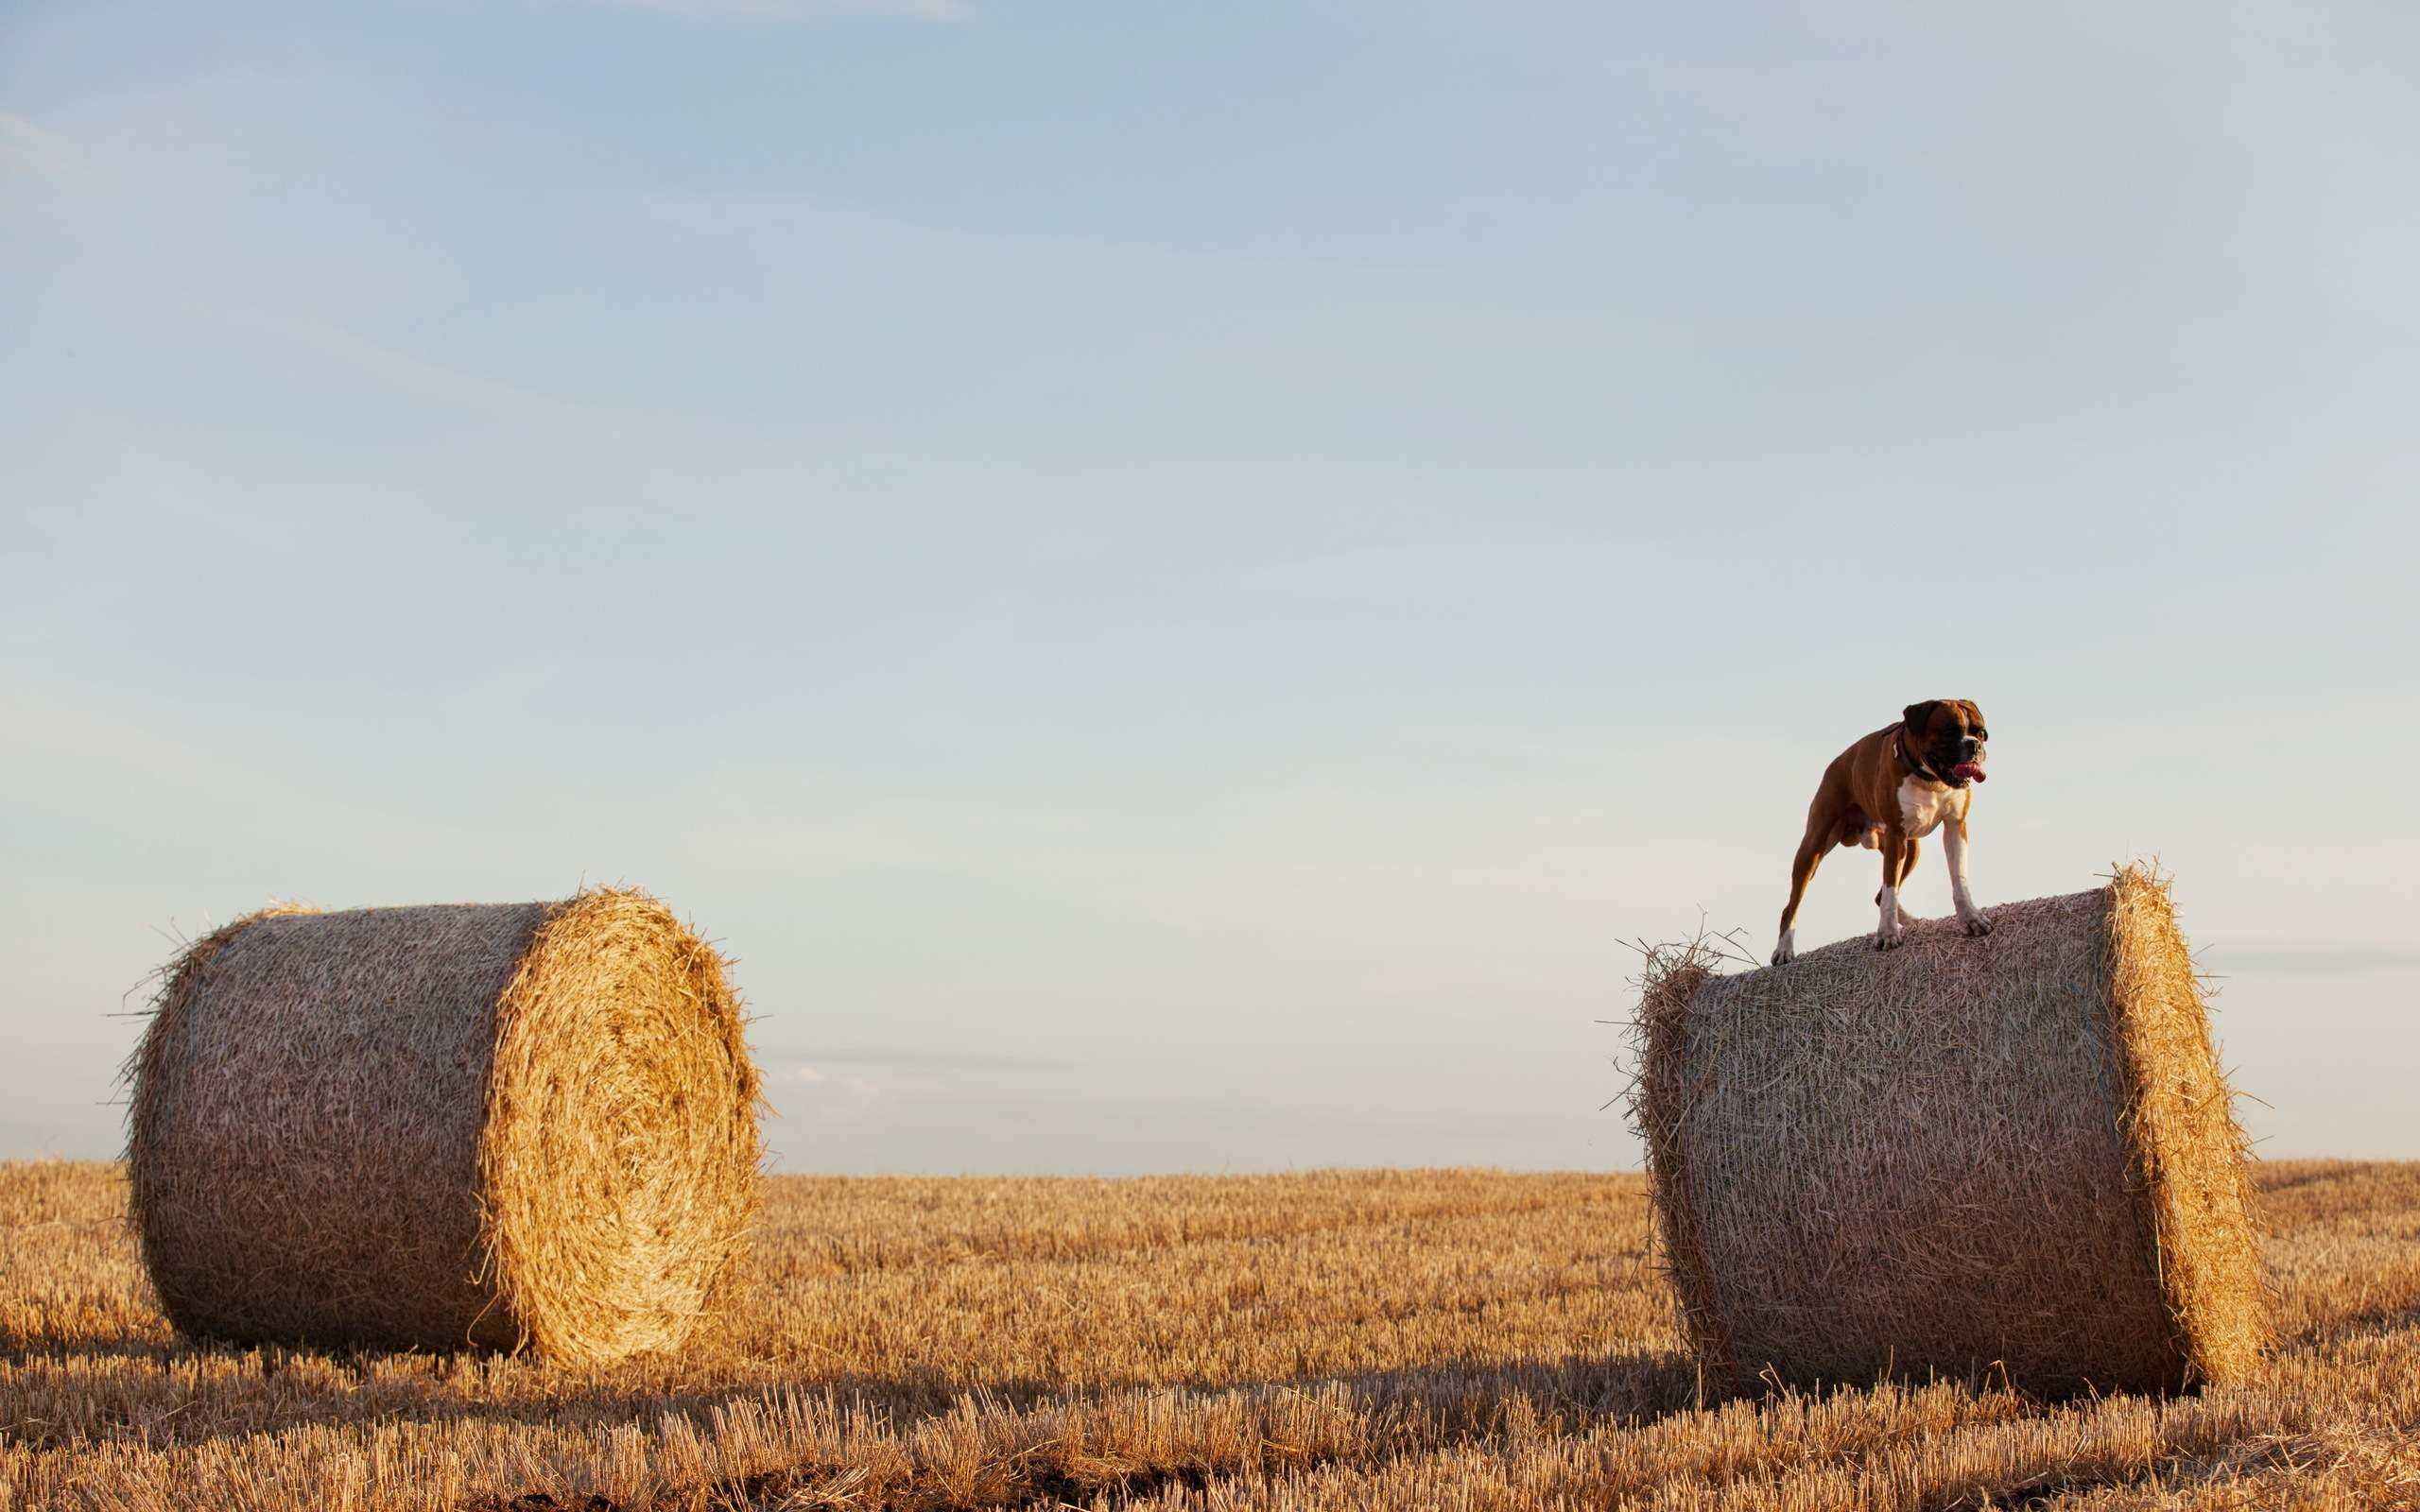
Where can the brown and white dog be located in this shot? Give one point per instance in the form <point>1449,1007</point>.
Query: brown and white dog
<point>1887,793</point>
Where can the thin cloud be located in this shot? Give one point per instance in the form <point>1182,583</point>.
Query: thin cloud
<point>2312,960</point>
<point>37,149</point>
<point>415,376</point>
<point>785,12</point>
<point>927,1061</point>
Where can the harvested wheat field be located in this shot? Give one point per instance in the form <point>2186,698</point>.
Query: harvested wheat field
<point>1323,1341</point>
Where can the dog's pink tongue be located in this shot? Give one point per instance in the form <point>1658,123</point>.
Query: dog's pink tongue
<point>1967,770</point>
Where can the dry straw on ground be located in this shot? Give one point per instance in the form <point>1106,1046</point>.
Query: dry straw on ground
<point>1966,1156</point>
<point>463,1125</point>
<point>1356,1341</point>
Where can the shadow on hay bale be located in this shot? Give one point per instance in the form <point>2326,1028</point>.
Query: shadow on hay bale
<point>447,1127</point>
<point>1968,1158</point>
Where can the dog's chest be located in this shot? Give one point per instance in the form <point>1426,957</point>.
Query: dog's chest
<point>1923,805</point>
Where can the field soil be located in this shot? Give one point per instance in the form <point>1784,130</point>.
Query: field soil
<point>1336,1340</point>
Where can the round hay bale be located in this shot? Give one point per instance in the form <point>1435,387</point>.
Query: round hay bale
<point>1966,1157</point>
<point>495,1126</point>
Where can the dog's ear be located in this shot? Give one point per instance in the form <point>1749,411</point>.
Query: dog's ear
<point>1920,715</point>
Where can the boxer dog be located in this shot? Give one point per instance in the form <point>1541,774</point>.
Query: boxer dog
<point>1887,793</point>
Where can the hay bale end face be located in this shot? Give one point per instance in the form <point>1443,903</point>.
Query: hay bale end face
<point>1966,1157</point>
<point>497,1127</point>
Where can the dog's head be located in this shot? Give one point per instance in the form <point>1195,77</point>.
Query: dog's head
<point>1949,734</point>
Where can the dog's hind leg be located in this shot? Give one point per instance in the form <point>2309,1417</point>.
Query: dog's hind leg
<point>1802,870</point>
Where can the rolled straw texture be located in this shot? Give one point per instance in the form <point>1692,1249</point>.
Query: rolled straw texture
<point>2013,1156</point>
<point>483,1125</point>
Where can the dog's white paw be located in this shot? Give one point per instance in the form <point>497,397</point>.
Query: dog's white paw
<point>1891,941</point>
<point>1787,950</point>
<point>1978,924</point>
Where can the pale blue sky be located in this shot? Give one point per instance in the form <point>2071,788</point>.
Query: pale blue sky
<point>1173,579</point>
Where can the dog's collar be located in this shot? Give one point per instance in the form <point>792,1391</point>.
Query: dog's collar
<point>1910,757</point>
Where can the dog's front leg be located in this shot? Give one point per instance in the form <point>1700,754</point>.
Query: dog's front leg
<point>1895,851</point>
<point>1953,844</point>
